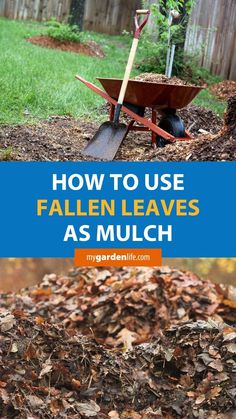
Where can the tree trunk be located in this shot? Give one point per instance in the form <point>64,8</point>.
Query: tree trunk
<point>77,13</point>
<point>185,19</point>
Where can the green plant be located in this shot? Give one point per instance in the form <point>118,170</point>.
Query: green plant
<point>52,22</point>
<point>193,73</point>
<point>6,153</point>
<point>64,32</point>
<point>153,50</point>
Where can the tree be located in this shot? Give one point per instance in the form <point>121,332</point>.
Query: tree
<point>77,13</point>
<point>155,50</point>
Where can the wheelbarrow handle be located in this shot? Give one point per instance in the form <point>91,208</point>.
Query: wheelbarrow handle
<point>139,26</point>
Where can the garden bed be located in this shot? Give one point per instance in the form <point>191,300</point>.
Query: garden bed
<point>90,48</point>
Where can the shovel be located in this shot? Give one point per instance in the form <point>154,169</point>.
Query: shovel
<point>108,138</point>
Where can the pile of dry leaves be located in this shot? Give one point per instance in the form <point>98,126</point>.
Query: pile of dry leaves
<point>166,351</point>
<point>206,147</point>
<point>46,371</point>
<point>120,307</point>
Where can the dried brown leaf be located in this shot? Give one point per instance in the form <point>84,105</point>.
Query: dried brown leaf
<point>47,367</point>
<point>34,401</point>
<point>127,338</point>
<point>89,409</point>
<point>7,322</point>
<point>200,399</point>
<point>216,365</point>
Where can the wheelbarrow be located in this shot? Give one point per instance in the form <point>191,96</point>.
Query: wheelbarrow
<point>161,98</point>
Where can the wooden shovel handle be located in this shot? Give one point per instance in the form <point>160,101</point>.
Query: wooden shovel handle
<point>139,27</point>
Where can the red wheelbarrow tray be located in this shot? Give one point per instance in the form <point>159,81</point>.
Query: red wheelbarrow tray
<point>149,94</point>
<point>156,96</point>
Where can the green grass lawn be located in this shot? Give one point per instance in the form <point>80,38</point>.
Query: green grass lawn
<point>38,82</point>
<point>208,100</point>
<point>41,82</point>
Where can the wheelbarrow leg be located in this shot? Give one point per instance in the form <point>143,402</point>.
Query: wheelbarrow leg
<point>131,123</point>
<point>154,121</point>
<point>112,112</point>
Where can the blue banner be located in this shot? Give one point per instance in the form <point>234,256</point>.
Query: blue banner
<point>50,209</point>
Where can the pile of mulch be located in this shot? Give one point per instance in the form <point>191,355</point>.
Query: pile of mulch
<point>63,139</point>
<point>90,48</point>
<point>161,78</point>
<point>187,369</point>
<point>197,118</point>
<point>57,139</point>
<point>224,89</point>
<point>230,117</point>
<point>206,146</point>
<point>217,149</point>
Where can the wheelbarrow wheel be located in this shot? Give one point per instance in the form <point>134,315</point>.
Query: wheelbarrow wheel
<point>172,124</point>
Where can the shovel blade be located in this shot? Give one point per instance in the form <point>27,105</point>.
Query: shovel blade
<point>106,141</point>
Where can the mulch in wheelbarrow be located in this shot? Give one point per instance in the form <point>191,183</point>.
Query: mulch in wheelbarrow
<point>161,78</point>
<point>185,370</point>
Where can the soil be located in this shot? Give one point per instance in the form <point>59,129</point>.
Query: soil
<point>185,367</point>
<point>62,139</point>
<point>58,139</point>
<point>160,78</point>
<point>91,48</point>
<point>224,89</point>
